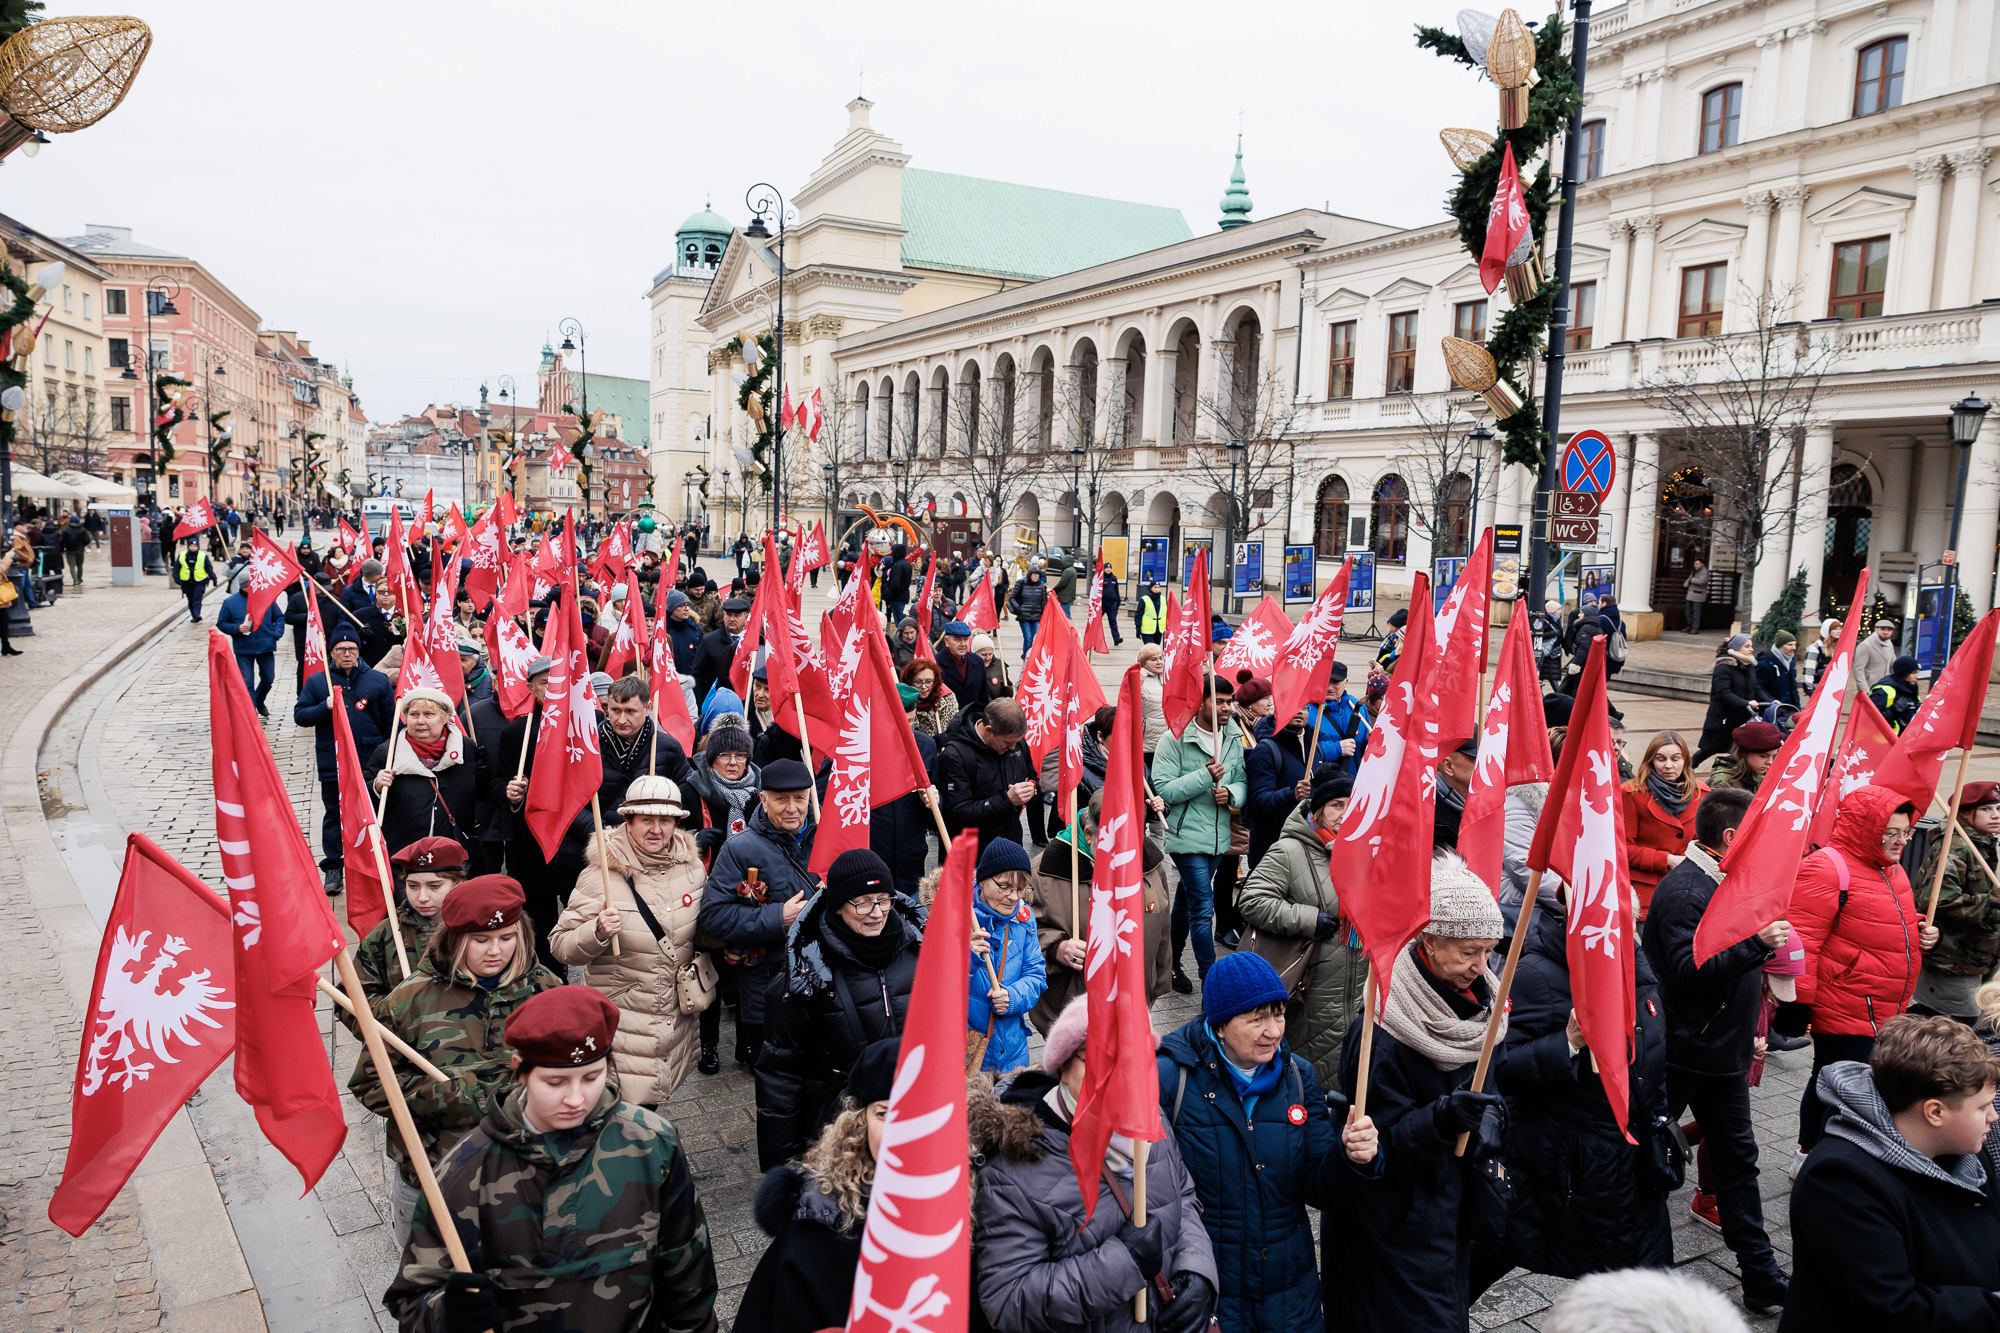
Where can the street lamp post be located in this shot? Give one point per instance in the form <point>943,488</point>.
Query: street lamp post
<point>208,378</point>
<point>725,504</point>
<point>687,499</point>
<point>1076,498</point>
<point>902,469</point>
<point>760,199</point>
<point>153,557</point>
<point>1236,448</point>
<point>1967,416</point>
<point>576,339</point>
<point>1481,436</point>
<point>832,485</point>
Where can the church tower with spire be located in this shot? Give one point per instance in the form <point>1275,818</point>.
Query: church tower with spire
<point>1236,199</point>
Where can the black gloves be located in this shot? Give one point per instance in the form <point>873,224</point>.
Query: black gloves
<point>471,1304</point>
<point>1492,1134</point>
<point>1327,927</point>
<point>1189,1310</point>
<point>1337,1104</point>
<point>1147,1244</point>
<point>1459,1112</point>
<point>708,839</point>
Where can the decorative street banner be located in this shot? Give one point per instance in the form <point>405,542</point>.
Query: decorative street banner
<point>1299,574</point>
<point>1190,547</point>
<point>1506,564</point>
<point>1248,569</point>
<point>1597,581</point>
<point>1361,582</point>
<point>1152,560</point>
<point>1444,574</point>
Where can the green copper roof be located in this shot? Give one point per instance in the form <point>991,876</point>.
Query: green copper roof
<point>964,224</point>
<point>1236,199</point>
<point>628,400</point>
<point>707,222</point>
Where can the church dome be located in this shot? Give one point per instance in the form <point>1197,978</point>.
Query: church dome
<point>700,241</point>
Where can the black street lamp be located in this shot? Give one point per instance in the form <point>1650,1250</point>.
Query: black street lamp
<point>1236,448</point>
<point>902,468</point>
<point>575,339</point>
<point>1076,498</point>
<point>760,199</point>
<point>1967,416</point>
<point>1480,437</point>
<point>826,471</point>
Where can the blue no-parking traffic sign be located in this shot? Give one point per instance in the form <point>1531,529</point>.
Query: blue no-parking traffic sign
<point>1589,463</point>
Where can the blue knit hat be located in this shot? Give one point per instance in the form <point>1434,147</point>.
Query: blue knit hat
<point>1238,983</point>
<point>1002,854</point>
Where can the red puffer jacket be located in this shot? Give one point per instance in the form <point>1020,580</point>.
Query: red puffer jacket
<point>1652,835</point>
<point>1862,956</point>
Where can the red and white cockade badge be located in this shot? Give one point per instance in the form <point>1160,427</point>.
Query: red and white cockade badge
<point>687,900</point>
<point>1297,1114</point>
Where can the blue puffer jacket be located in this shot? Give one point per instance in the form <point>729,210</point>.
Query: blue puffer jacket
<point>1017,957</point>
<point>264,638</point>
<point>1254,1175</point>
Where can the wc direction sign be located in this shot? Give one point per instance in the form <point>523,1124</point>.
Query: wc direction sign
<point>1589,463</point>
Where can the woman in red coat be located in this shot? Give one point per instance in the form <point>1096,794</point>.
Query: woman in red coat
<point>1862,934</point>
<point>1660,802</point>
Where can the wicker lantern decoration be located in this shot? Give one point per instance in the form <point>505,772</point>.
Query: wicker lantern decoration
<point>1471,367</point>
<point>1510,63</point>
<point>1475,29</point>
<point>1465,147</point>
<point>66,74</point>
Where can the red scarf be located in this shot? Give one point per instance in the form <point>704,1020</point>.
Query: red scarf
<point>428,753</point>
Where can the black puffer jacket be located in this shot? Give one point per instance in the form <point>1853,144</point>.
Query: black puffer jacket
<point>1733,695</point>
<point>744,924</point>
<point>1711,1010</point>
<point>831,1007</point>
<point>896,580</point>
<point>972,781</point>
<point>1582,1202</point>
<point>1028,598</point>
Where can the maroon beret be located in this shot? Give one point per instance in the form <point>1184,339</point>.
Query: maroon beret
<point>1979,793</point>
<point>484,902</point>
<point>430,854</point>
<point>1757,737</point>
<point>563,1028</point>
<point>1251,689</point>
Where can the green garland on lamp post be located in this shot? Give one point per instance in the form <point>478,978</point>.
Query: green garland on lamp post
<point>758,384</point>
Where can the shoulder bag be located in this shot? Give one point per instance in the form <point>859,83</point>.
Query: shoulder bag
<point>695,980</point>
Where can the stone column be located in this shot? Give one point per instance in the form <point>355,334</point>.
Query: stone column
<point>1639,305</point>
<point>1160,385</point>
<point>1635,555</point>
<point>1809,534</point>
<point>1967,166</point>
<point>1611,301</point>
<point>1756,259</point>
<point>1982,515</point>
<point>1068,407</point>
<point>1774,562</point>
<point>1112,432</point>
<point>1206,379</point>
<point>1616,517</point>
<point>1785,252</point>
<point>1920,256</point>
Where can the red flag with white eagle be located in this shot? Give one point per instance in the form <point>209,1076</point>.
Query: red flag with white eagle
<point>272,570</point>
<point>1082,696</point>
<point>875,761</point>
<point>353,543</point>
<point>1121,1082</point>
<point>981,616</point>
<point>197,517</point>
<point>1093,619</point>
<point>429,508</point>
<point>785,410</point>
<point>915,1270</point>
<point>741,665</point>
<point>1305,663</point>
<point>513,599</point>
<point>504,502</point>
<point>808,553</point>
<point>1381,858</point>
<point>857,597</point>
<point>1460,645</point>
<point>367,896</point>
<point>1187,645</point>
<point>1763,859</point>
<point>161,1018</point>
<point>511,654</point>
<point>1040,691</point>
<point>1581,836</point>
<point>1513,748</point>
<point>315,661</point>
<point>1867,743</point>
<point>1506,222</point>
<point>568,765</point>
<point>781,664</point>
<point>488,553</point>
<point>924,638</point>
<point>670,707</point>
<point>614,555</point>
<point>814,411</point>
<point>454,527</point>
<point>1948,717</point>
<point>628,643</point>
<point>285,931</point>
<point>430,649</point>
<point>397,574</point>
<point>1254,647</point>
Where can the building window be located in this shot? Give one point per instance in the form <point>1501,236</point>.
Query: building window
<point>1878,76</point>
<point>156,303</point>
<point>1860,275</point>
<point>1468,321</point>
<point>86,305</point>
<point>1340,361</point>
<point>1330,529</point>
<point>68,300</point>
<point>162,355</point>
<point>120,352</point>
<point>1701,299</point>
<point>1402,376</point>
<point>90,360</point>
<point>69,355</point>
<point>114,300</point>
<point>1590,149</point>
<point>49,353</point>
<point>1582,316</point>
<point>1389,531</point>
<point>1721,115</point>
<point>121,414</point>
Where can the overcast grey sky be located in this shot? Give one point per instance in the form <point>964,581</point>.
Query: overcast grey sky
<point>424,188</point>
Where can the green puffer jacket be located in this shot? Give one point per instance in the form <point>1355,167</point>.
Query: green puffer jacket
<point>1284,895</point>
<point>1196,825</point>
<point>1968,913</point>
<point>462,1030</point>
<point>375,958</point>
<point>594,1231</point>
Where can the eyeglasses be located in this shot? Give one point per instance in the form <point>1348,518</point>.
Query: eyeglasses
<point>1618,743</point>
<point>1897,837</point>
<point>869,906</point>
<point>1002,889</point>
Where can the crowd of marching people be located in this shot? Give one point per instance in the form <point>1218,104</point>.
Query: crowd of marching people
<point>1345,1147</point>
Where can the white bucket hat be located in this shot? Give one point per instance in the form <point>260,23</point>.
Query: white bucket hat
<point>652,795</point>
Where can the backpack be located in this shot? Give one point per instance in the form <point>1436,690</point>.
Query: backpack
<point>1614,643</point>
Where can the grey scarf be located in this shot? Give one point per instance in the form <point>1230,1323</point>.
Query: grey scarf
<point>1672,798</point>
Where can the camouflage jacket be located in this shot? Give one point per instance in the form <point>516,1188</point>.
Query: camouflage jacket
<point>1722,775</point>
<point>375,958</point>
<point>1968,914</point>
<point>598,1234</point>
<point>459,1028</point>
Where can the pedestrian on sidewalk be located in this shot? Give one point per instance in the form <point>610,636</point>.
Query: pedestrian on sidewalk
<point>1111,601</point>
<point>1821,653</point>
<point>1733,696</point>
<point>1149,617</point>
<point>1200,775</point>
<point>1876,653</point>
<point>1695,597</point>
<point>1777,670</point>
<point>74,541</point>
<point>1896,693</point>
<point>255,644</point>
<point>193,575</point>
<point>1026,604</point>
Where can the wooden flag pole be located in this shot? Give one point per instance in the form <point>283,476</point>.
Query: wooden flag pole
<point>389,888</point>
<point>399,1110</point>
<point>331,598</point>
<point>1075,883</point>
<point>1959,829</point>
<point>1139,1151</point>
<point>603,868</point>
<point>1368,1017</point>
<point>805,748</point>
<point>1494,1019</point>
<point>389,767</point>
<point>528,735</point>
<point>1957,793</point>
<point>394,1042</point>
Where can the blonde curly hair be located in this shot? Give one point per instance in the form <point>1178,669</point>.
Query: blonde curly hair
<point>839,1164</point>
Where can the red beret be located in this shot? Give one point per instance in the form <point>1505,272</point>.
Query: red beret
<point>484,902</point>
<point>430,854</point>
<point>1979,793</point>
<point>1757,737</point>
<point>563,1028</point>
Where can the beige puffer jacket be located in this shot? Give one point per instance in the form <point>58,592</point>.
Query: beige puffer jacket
<point>656,1043</point>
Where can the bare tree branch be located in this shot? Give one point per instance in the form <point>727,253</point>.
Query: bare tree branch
<point>1446,456</point>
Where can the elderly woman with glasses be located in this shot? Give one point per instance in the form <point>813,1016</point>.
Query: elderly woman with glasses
<point>851,960</point>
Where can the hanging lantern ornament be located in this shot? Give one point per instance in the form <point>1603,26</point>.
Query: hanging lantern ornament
<point>12,400</point>
<point>66,74</point>
<point>1471,367</point>
<point>1524,271</point>
<point>1475,29</point>
<point>1465,147</point>
<point>1510,63</point>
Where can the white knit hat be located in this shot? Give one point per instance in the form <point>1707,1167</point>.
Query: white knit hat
<point>1462,907</point>
<point>652,795</point>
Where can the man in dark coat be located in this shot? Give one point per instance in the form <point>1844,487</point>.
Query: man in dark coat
<point>752,918</point>
<point>899,831</point>
<point>370,700</point>
<point>683,631</point>
<point>1278,782</point>
<point>984,774</point>
<point>359,597</point>
<point>962,673</point>
<point>1112,600</point>
<point>630,746</point>
<point>718,649</point>
<point>1896,694</point>
<point>1454,781</point>
<point>896,579</point>
<point>1712,1012</point>
<point>1026,603</point>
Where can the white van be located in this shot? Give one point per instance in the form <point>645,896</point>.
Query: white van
<point>376,514</point>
